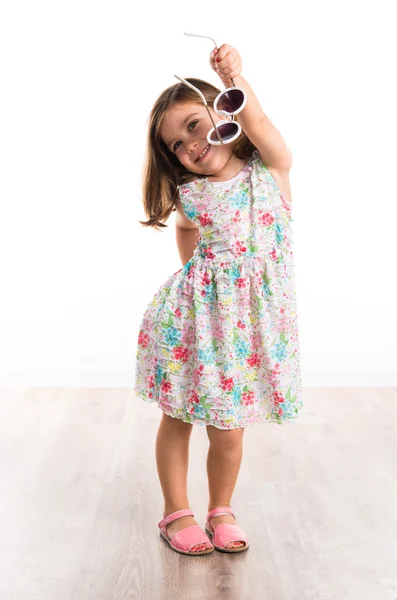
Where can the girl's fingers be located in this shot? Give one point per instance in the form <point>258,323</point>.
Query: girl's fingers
<point>232,66</point>
<point>226,61</point>
<point>223,52</point>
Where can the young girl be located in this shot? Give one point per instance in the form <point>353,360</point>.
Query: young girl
<point>218,344</point>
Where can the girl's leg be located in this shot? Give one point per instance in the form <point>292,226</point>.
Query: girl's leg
<point>172,457</point>
<point>223,466</point>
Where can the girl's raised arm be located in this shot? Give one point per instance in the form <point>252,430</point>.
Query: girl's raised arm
<point>265,136</point>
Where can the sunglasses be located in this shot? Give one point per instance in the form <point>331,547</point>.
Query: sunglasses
<point>227,104</point>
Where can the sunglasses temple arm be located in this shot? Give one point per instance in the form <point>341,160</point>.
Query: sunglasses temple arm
<point>203,36</point>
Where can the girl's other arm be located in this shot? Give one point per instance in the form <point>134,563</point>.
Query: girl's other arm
<point>186,234</point>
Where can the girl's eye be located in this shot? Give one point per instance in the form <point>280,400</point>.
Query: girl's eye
<point>193,123</point>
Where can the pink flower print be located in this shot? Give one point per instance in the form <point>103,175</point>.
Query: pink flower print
<point>178,312</point>
<point>273,255</point>
<point>143,339</point>
<point>240,325</point>
<point>253,360</point>
<point>204,219</point>
<point>208,253</point>
<point>218,332</point>
<point>236,218</point>
<point>256,340</point>
<point>206,279</point>
<point>194,397</point>
<point>191,271</point>
<point>266,219</point>
<point>227,384</point>
<point>166,386</point>
<point>151,381</point>
<point>285,202</point>
<point>273,375</point>
<point>188,336</point>
<point>180,353</point>
<point>240,248</point>
<point>248,397</point>
<point>277,398</point>
<point>241,283</point>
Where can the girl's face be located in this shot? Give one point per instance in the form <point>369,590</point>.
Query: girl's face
<point>184,131</point>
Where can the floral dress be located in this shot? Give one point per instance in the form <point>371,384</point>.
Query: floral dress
<point>218,343</point>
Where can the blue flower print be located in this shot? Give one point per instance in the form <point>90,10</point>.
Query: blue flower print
<point>172,336</point>
<point>279,351</point>
<point>159,373</point>
<point>199,411</point>
<point>279,231</point>
<point>190,212</point>
<point>236,395</point>
<point>242,348</point>
<point>238,200</point>
<point>207,356</point>
<point>235,273</point>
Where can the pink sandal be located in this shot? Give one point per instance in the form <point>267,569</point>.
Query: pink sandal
<point>183,540</point>
<point>225,533</point>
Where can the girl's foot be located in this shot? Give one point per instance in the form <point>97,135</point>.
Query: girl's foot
<point>214,521</point>
<point>181,523</point>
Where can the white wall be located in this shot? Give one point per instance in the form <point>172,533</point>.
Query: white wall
<point>78,80</point>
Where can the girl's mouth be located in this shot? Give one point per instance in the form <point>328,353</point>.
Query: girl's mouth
<point>203,154</point>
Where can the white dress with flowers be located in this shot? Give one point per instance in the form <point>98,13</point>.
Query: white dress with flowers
<point>218,343</point>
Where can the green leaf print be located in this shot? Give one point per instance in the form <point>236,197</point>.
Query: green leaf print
<point>170,320</point>
<point>203,399</point>
<point>260,303</point>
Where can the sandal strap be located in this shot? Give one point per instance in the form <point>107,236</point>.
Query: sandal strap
<point>186,512</point>
<point>220,510</point>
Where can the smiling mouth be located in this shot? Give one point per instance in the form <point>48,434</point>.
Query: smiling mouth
<point>203,153</point>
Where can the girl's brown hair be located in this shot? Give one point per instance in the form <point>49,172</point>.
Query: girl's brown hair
<point>162,172</point>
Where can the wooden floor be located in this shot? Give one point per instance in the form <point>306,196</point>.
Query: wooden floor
<point>81,500</point>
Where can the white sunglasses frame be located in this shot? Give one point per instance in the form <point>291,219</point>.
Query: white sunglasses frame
<point>221,113</point>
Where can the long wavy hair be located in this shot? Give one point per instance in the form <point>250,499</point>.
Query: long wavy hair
<point>162,171</point>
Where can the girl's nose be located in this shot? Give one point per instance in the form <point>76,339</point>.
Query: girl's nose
<point>192,147</point>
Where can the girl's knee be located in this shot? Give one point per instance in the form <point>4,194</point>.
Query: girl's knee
<point>176,423</point>
<point>224,437</point>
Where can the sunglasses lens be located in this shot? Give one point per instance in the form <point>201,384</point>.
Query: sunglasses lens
<point>226,131</point>
<point>230,101</point>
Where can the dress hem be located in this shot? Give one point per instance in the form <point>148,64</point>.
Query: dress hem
<point>269,418</point>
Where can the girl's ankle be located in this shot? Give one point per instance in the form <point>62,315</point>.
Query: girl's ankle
<point>168,510</point>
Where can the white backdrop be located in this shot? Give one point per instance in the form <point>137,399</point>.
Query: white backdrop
<point>78,80</point>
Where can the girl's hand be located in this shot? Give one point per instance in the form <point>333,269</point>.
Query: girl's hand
<point>226,61</point>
